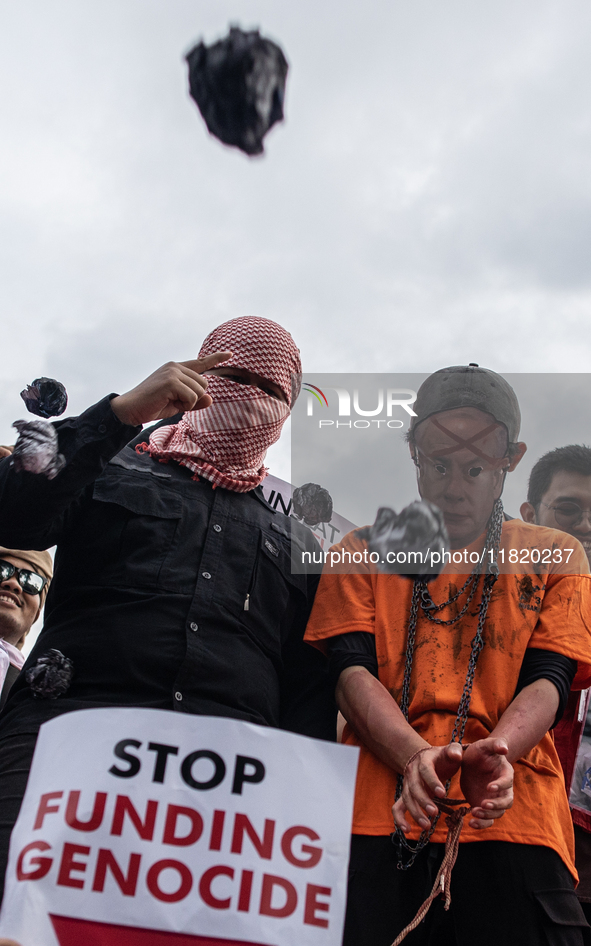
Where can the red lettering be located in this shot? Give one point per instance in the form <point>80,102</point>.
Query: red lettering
<point>263,847</point>
<point>245,891</point>
<point>40,865</point>
<point>127,884</point>
<point>291,897</point>
<point>314,853</point>
<point>96,817</point>
<point>205,887</point>
<point>153,878</point>
<point>68,864</point>
<point>45,808</point>
<point>217,829</point>
<point>313,905</point>
<point>174,812</point>
<point>145,828</point>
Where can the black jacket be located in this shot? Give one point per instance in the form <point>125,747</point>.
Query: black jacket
<point>167,593</point>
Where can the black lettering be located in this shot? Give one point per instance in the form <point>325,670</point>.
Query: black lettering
<point>279,501</point>
<point>132,760</point>
<point>162,753</point>
<point>241,775</point>
<point>216,778</point>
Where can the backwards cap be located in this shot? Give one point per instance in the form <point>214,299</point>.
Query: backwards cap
<point>469,386</point>
<point>262,346</point>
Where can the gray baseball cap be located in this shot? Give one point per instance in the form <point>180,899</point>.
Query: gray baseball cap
<point>469,386</point>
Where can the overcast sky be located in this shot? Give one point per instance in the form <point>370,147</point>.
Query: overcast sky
<point>427,201</point>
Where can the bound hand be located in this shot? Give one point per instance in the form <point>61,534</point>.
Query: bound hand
<point>424,781</point>
<point>487,780</point>
<point>176,386</point>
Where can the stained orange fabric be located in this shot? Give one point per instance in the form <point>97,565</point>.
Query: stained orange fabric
<point>550,611</point>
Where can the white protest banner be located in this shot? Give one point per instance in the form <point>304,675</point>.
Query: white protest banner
<point>153,828</point>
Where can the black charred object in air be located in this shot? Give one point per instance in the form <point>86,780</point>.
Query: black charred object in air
<point>238,84</point>
<point>51,675</point>
<point>312,504</point>
<point>404,541</point>
<point>45,397</point>
<point>36,449</point>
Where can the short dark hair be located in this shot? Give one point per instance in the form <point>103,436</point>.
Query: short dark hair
<point>575,458</point>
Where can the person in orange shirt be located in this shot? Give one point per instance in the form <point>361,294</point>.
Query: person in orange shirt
<point>450,687</point>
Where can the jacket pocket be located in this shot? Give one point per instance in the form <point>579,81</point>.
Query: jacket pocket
<point>147,516</point>
<point>273,593</point>
<point>561,909</point>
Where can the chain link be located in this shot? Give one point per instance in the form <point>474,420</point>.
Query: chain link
<point>422,598</point>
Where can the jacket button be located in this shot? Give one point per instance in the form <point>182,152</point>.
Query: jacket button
<point>178,695</point>
<point>102,429</point>
<point>217,528</point>
<point>206,574</point>
<point>193,626</point>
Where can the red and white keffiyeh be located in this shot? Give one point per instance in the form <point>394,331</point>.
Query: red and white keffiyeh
<point>226,443</point>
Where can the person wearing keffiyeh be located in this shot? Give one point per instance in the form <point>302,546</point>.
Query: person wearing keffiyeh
<point>252,396</point>
<point>173,586</point>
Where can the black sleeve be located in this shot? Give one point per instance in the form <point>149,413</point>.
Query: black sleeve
<point>33,508</point>
<point>556,668</point>
<point>356,649</point>
<point>308,705</point>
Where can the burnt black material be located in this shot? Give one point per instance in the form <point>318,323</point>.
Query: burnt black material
<point>312,504</point>
<point>45,397</point>
<point>51,675</point>
<point>36,449</point>
<point>402,540</point>
<point>239,85</point>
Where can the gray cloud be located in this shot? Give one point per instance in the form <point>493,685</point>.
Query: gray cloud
<point>426,202</point>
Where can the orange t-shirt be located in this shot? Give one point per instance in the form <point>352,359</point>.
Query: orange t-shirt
<point>549,610</point>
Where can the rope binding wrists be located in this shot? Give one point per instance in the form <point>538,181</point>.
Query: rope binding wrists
<point>414,756</point>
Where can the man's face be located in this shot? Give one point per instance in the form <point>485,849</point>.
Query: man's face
<point>18,610</point>
<point>557,508</point>
<point>461,458</point>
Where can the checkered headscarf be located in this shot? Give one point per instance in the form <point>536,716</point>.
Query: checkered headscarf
<point>226,443</point>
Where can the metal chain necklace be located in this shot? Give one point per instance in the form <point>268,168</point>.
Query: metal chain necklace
<point>422,598</point>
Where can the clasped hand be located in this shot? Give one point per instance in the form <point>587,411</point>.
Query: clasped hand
<point>486,780</point>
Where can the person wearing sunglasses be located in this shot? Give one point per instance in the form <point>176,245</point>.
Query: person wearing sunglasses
<point>559,496</point>
<point>24,579</point>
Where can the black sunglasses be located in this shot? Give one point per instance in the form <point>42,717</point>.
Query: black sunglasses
<point>30,582</point>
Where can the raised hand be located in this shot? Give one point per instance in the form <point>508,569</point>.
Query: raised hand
<point>424,779</point>
<point>5,452</point>
<point>486,780</point>
<point>176,386</point>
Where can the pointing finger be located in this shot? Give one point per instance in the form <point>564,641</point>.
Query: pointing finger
<point>208,361</point>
